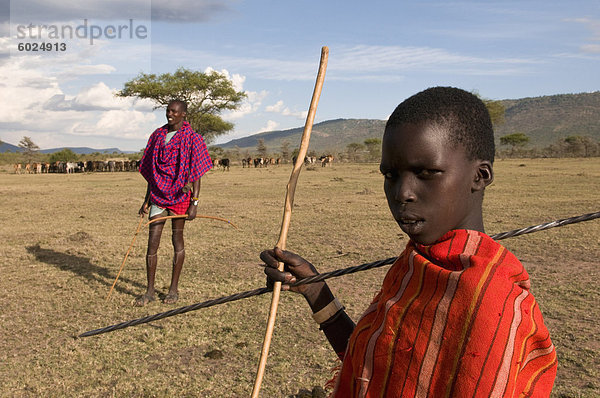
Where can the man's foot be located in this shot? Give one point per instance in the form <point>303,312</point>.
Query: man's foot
<point>144,299</point>
<point>171,298</point>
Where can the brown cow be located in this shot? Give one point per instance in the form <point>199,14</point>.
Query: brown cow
<point>326,160</point>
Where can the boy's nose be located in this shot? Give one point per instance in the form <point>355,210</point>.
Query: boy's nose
<point>405,192</point>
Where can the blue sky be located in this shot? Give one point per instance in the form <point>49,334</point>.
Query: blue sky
<point>380,53</point>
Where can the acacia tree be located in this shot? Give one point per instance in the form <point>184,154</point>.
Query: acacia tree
<point>515,140</point>
<point>65,155</point>
<point>496,110</point>
<point>207,96</point>
<point>30,149</point>
<point>261,148</point>
<point>353,149</point>
<point>374,148</point>
<point>285,150</point>
<point>578,145</point>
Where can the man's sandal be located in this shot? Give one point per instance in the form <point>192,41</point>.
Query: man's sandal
<point>144,299</point>
<point>171,298</point>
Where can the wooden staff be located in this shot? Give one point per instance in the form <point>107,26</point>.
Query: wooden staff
<point>287,214</point>
<point>126,255</point>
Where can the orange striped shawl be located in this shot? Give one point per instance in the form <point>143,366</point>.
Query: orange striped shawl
<point>454,319</point>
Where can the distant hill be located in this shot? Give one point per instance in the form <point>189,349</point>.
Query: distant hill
<point>544,119</point>
<point>85,150</point>
<point>329,136</point>
<point>6,147</point>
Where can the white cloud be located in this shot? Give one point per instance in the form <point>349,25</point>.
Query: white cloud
<point>280,108</point>
<point>253,99</point>
<point>591,48</point>
<point>364,62</point>
<point>393,59</point>
<point>128,124</point>
<point>594,26</point>
<point>34,104</point>
<point>236,79</point>
<point>249,106</point>
<point>277,107</point>
<point>271,126</point>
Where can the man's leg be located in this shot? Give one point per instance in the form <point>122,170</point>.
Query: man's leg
<point>178,258</point>
<point>155,232</point>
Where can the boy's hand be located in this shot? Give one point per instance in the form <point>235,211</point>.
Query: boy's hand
<point>295,268</point>
<point>192,211</point>
<point>143,209</point>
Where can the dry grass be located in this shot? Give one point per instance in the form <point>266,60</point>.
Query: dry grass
<point>64,237</point>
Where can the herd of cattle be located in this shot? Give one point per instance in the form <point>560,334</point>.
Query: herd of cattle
<point>77,167</point>
<point>133,165</point>
<point>264,162</point>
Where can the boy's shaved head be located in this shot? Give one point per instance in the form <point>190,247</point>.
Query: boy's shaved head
<point>463,114</point>
<point>181,103</point>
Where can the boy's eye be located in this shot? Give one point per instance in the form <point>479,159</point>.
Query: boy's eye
<point>427,173</point>
<point>387,174</point>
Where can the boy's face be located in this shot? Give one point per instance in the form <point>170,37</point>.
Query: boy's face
<point>430,184</point>
<point>175,113</point>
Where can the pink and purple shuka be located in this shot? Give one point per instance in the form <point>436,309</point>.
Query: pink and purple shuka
<point>168,167</point>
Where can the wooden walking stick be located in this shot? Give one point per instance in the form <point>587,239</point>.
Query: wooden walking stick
<point>126,255</point>
<point>287,214</point>
<point>153,221</point>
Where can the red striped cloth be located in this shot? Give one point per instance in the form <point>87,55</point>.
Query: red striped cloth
<point>169,166</point>
<point>454,319</point>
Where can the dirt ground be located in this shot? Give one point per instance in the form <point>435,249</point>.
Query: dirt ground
<point>64,238</point>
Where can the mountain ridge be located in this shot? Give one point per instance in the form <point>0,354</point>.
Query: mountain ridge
<point>545,119</point>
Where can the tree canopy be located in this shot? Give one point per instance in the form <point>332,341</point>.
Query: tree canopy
<point>30,149</point>
<point>65,155</point>
<point>261,148</point>
<point>496,110</point>
<point>374,148</point>
<point>207,96</point>
<point>515,140</point>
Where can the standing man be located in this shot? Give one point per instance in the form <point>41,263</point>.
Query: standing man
<point>173,162</point>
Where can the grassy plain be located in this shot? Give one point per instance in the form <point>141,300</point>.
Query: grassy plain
<point>63,238</point>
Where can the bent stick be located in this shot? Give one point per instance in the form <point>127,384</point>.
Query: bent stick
<point>321,277</point>
<point>287,214</point>
<point>148,223</point>
<point>126,255</point>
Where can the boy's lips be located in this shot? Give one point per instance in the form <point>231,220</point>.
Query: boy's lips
<point>408,218</point>
<point>410,224</point>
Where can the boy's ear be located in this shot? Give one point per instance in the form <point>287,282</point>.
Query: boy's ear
<point>484,175</point>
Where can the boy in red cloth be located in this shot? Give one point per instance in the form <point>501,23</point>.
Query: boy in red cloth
<point>174,159</point>
<point>454,316</point>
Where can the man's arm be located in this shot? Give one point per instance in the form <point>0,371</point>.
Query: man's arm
<point>146,204</point>
<point>193,209</point>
